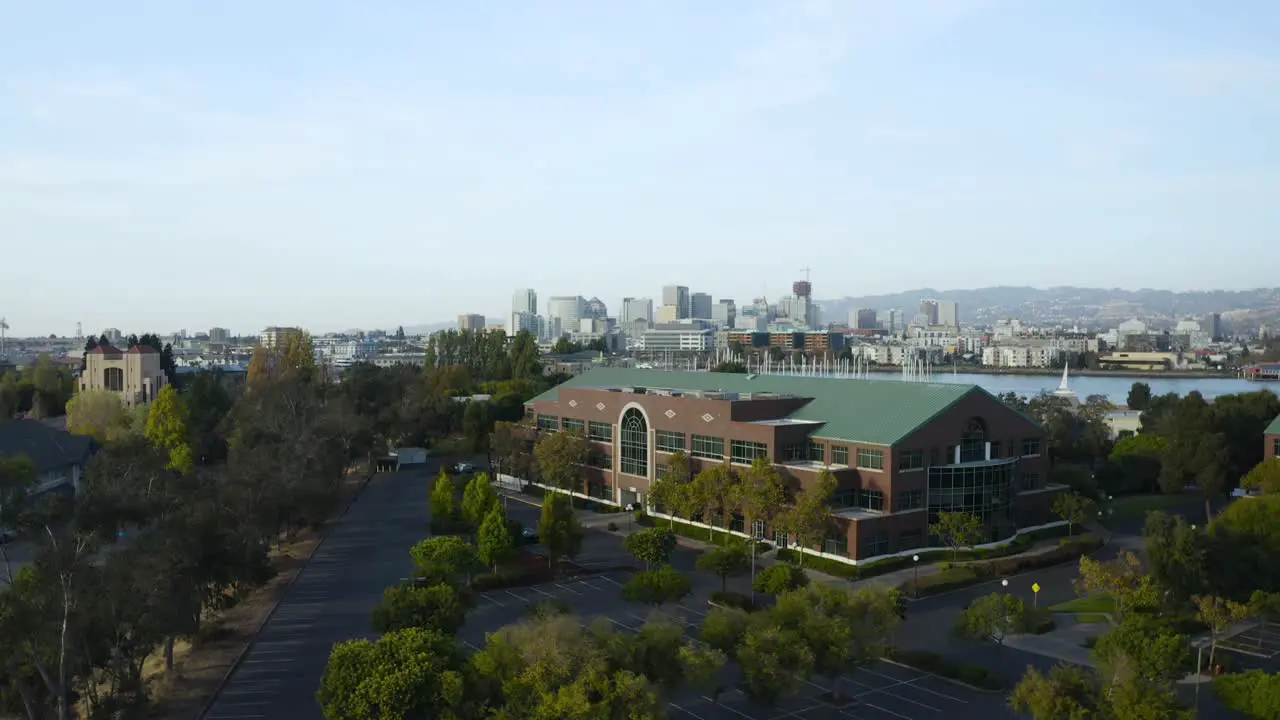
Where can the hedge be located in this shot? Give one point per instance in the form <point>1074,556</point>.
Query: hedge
<point>974,675</point>
<point>732,599</point>
<point>958,576</point>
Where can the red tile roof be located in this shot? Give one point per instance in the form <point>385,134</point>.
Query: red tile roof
<point>105,350</point>
<point>142,350</point>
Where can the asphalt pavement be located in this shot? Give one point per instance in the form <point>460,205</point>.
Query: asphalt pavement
<point>363,552</point>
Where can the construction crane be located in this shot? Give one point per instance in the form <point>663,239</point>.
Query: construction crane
<point>805,270</point>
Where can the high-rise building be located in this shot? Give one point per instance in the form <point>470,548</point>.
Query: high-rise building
<point>522,322</point>
<point>862,319</point>
<point>802,311</point>
<point>1211,324</point>
<point>524,300</point>
<point>948,313</point>
<point>891,321</point>
<point>700,306</point>
<point>634,309</point>
<point>725,313</point>
<point>219,335</point>
<point>666,314</point>
<point>471,321</point>
<point>677,296</point>
<point>596,309</point>
<point>929,310</point>
<point>564,314</point>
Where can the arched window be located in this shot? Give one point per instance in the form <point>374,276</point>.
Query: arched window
<point>973,444</point>
<point>634,443</point>
<point>113,379</point>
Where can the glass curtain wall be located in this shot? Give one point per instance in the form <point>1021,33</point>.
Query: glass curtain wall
<point>985,489</point>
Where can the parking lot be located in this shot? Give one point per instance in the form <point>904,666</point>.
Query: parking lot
<point>885,692</point>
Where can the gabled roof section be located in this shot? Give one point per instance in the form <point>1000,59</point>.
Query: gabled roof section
<point>142,350</point>
<point>105,350</point>
<point>1274,427</point>
<point>48,448</point>
<point>879,412</point>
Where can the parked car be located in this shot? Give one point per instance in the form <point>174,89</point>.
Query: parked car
<point>463,468</point>
<point>528,537</point>
<point>7,535</point>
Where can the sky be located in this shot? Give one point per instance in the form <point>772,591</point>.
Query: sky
<point>169,164</point>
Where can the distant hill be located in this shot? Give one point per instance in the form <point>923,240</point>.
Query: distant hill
<point>1244,309</point>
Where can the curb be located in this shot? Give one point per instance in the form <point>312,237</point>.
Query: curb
<point>945,593</point>
<point>253,636</point>
<point>953,681</point>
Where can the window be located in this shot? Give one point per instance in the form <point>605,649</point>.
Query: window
<point>660,470</point>
<point>600,431</point>
<point>995,450</point>
<point>910,539</point>
<point>844,498</point>
<point>838,545</point>
<point>795,452</point>
<point>600,459</point>
<point>877,545</point>
<point>817,452</point>
<point>743,451</point>
<point>1030,446</point>
<point>113,379</point>
<point>909,500</point>
<point>910,460</point>
<point>548,423</point>
<point>1275,447</point>
<point>711,448</point>
<point>973,444</point>
<point>635,443</point>
<point>599,491</point>
<point>737,523</point>
<point>573,425</point>
<point>985,490</point>
<point>668,441</point>
<point>839,454</point>
<point>1030,481</point>
<point>871,500</point>
<point>870,459</point>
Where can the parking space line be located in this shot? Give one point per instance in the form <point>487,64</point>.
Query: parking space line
<point>542,592</point>
<point>888,711</point>
<point>609,580</point>
<point>689,609</point>
<point>588,584</point>
<point>566,587</point>
<point>686,711</point>
<point>739,713</point>
<point>232,717</point>
<point>801,711</point>
<point>517,597</point>
<point>621,624</point>
<point>473,647</point>
<point>915,684</point>
<point>493,600</point>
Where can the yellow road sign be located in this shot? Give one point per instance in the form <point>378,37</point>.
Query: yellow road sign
<point>1035,587</point>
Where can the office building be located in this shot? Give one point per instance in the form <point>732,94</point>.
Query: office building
<point>220,336</point>
<point>677,296</point>
<point>700,306</point>
<point>929,312</point>
<point>725,313</point>
<point>911,452</point>
<point>862,319</point>
<point>523,322</point>
<point>134,375</point>
<point>666,314</point>
<point>524,300</point>
<point>471,322</point>
<point>634,309</point>
<point>595,308</point>
<point>948,313</point>
<point>802,311</point>
<point>677,338</point>
<point>891,321</point>
<point>564,314</point>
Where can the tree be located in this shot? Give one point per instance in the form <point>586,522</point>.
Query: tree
<point>1139,396</point>
<point>671,489</point>
<point>1154,648</point>
<point>774,662</point>
<point>1219,615</point>
<point>444,499</point>
<point>559,528</point>
<point>780,578</point>
<point>1177,556</point>
<point>406,674</point>
<point>478,499</point>
<point>168,428</point>
<point>702,668</point>
<point>18,477</point>
<point>1264,477</point>
<point>763,495</point>
<point>992,618</point>
<point>842,630</point>
<point>729,366</point>
<point>716,491</point>
<point>1122,578</point>
<point>958,530</point>
<point>510,450</point>
<point>723,629</point>
<point>657,587</point>
<point>561,457</point>
<point>810,516</point>
<point>477,424</point>
<point>1252,693</point>
<point>652,546</point>
<point>208,404</point>
<point>727,561</point>
<point>496,543</point>
<point>1135,463</point>
<point>99,414</point>
<point>437,607</point>
<point>1074,509</point>
<point>446,558</point>
<point>1066,692</point>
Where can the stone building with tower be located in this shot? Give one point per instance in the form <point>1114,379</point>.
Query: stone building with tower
<point>134,374</point>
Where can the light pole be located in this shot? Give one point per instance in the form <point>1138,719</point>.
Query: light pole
<point>1005,584</point>
<point>1199,672</point>
<point>915,559</point>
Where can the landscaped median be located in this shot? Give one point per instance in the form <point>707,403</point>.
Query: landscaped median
<point>974,676</point>
<point>1096,608</point>
<point>956,576</point>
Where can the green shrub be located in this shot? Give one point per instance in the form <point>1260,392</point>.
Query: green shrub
<point>780,578</point>
<point>974,675</point>
<point>732,599</point>
<point>821,564</point>
<point>508,578</point>
<point>1037,621</point>
<point>1253,693</point>
<point>550,607</point>
<point>963,575</point>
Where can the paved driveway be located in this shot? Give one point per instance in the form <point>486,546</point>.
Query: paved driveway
<point>363,553</point>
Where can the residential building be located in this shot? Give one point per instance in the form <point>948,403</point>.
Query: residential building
<point>134,374</point>
<point>564,313</point>
<point>677,296</point>
<point>219,336</point>
<point>1271,437</point>
<point>948,313</point>
<point>634,309</point>
<point>901,452</point>
<point>401,358</point>
<point>524,300</point>
<point>724,313</point>
<point>802,311</point>
<point>677,337</point>
<point>700,306</point>
<point>59,457</point>
<point>471,322</point>
<point>277,337</point>
<point>751,323</point>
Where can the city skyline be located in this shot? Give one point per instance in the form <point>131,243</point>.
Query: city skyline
<point>402,161</point>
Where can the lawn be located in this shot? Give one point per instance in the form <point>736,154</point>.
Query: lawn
<point>1092,619</point>
<point>1136,507</point>
<point>1097,604</point>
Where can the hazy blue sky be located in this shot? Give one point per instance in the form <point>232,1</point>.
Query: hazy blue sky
<point>336,164</point>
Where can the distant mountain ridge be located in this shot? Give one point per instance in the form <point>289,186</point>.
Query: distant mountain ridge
<point>1245,309</point>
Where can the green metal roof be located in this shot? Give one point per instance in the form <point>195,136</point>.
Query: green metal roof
<point>880,412</point>
<point>1274,427</point>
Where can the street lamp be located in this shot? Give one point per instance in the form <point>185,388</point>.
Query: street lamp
<point>1005,584</point>
<point>916,560</point>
